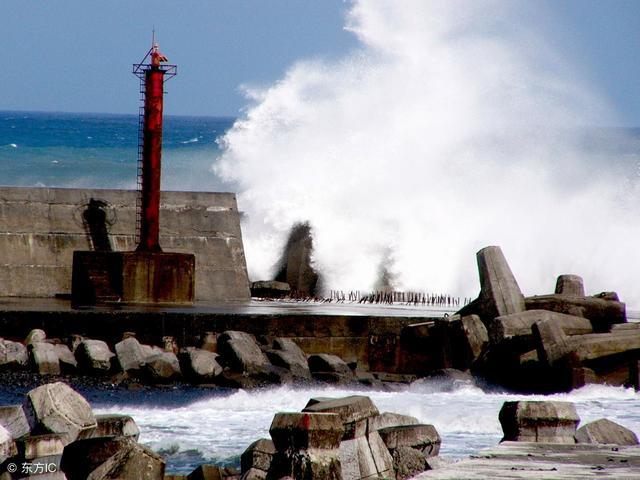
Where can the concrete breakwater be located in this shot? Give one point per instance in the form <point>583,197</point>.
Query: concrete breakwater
<point>41,227</point>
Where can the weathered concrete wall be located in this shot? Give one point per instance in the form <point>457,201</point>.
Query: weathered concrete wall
<point>41,227</point>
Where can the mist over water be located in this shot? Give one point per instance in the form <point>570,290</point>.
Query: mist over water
<point>455,125</point>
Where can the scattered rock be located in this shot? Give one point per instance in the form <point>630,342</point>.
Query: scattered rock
<point>539,421</point>
<point>162,367</point>
<point>94,356</point>
<point>242,352</point>
<point>200,364</point>
<point>56,408</point>
<point>66,358</point>
<point>332,368</point>
<point>130,354</point>
<point>35,335</point>
<point>13,355</point>
<point>606,431</point>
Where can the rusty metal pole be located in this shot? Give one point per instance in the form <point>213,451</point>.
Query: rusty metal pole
<point>151,157</point>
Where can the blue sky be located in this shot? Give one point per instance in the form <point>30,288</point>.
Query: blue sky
<point>76,55</point>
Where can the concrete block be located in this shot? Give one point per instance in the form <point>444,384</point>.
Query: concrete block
<point>602,313</point>
<point>421,437</point>
<point>408,462</point>
<point>303,431</point>
<point>44,358</point>
<point>112,425</point>
<point>135,462</point>
<point>200,364</point>
<point>13,418</point>
<point>600,345</point>
<point>46,448</point>
<point>212,472</point>
<point>606,431</point>
<point>570,285</point>
<point>85,455</point>
<point>353,412</point>
<point>539,421</point>
<point>258,456</point>
<point>94,356</point>
<point>389,419</point>
<point>56,408</point>
<point>519,325</point>
<point>270,289</point>
<point>7,445</point>
<point>551,342</point>
<point>499,290</point>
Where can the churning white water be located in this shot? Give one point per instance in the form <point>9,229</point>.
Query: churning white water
<point>456,124</point>
<point>221,426</point>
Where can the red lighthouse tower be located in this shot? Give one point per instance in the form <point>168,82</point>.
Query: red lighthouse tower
<point>152,77</point>
<point>146,275</point>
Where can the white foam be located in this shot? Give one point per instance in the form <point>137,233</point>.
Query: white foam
<point>449,129</point>
<point>222,426</point>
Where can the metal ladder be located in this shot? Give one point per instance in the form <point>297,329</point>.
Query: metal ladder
<point>140,163</point>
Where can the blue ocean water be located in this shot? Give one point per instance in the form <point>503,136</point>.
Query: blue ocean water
<point>100,150</point>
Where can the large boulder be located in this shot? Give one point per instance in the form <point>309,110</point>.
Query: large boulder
<point>56,408</point>
<point>288,355</point>
<point>606,431</point>
<point>130,354</point>
<point>44,358</point>
<point>133,462</point>
<point>94,356</point>
<point>241,351</point>
<point>539,421</point>
<point>162,367</point>
<point>327,367</point>
<point>306,446</point>
<point>200,365</point>
<point>212,472</point>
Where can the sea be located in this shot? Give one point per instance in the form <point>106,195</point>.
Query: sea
<point>190,425</point>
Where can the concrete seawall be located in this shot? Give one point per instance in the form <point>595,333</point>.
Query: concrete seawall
<point>41,227</point>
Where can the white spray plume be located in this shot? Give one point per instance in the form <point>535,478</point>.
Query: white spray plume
<point>447,130</point>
